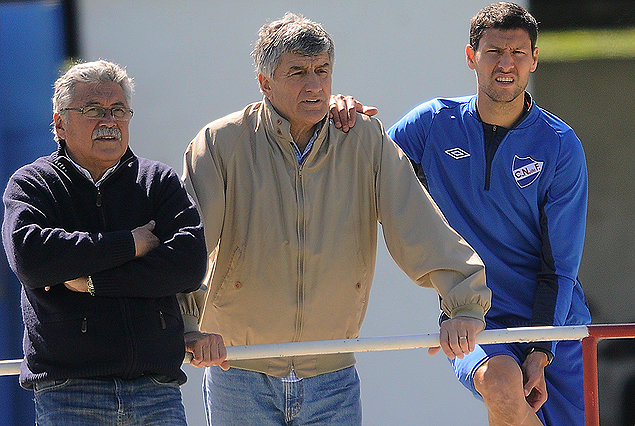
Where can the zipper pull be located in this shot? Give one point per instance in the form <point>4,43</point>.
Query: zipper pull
<point>98,197</point>
<point>84,325</point>
<point>163,326</point>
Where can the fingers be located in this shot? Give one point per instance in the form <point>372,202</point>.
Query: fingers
<point>334,110</point>
<point>433,350</point>
<point>207,349</point>
<point>350,107</point>
<point>534,379</point>
<point>455,344</point>
<point>343,111</point>
<point>458,336</point>
<point>535,396</point>
<point>144,239</point>
<point>346,111</point>
<point>78,285</point>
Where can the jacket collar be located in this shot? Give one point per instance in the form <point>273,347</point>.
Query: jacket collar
<point>279,129</point>
<point>61,158</point>
<point>530,116</point>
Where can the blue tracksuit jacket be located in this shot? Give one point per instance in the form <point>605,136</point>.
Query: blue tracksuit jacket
<point>524,213</point>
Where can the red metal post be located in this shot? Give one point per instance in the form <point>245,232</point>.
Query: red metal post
<point>591,400</point>
<point>612,331</point>
<point>590,360</point>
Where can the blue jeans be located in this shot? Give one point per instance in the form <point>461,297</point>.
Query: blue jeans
<point>246,398</point>
<point>145,401</point>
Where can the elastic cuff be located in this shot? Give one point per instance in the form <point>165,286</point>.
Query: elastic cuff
<point>190,323</point>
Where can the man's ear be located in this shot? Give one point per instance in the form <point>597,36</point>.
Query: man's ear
<point>535,58</point>
<point>469,56</point>
<point>60,125</point>
<point>265,85</point>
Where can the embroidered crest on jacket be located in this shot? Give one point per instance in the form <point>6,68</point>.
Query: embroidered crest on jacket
<point>526,170</point>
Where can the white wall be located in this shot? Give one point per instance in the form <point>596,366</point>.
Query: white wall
<point>191,63</point>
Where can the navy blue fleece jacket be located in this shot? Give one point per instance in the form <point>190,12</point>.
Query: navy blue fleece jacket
<point>59,226</point>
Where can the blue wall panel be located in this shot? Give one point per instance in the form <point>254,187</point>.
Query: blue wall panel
<point>31,54</point>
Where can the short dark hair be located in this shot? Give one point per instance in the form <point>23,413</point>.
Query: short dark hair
<point>503,16</point>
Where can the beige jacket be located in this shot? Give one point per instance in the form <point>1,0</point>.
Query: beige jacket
<point>292,247</point>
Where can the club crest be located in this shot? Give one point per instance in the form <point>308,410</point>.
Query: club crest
<point>526,170</point>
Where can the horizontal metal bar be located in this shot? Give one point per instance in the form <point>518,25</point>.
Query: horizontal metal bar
<point>417,341</point>
<point>10,366</point>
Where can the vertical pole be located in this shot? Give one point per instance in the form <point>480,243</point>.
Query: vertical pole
<point>590,362</point>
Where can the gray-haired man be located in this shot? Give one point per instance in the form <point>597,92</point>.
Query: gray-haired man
<point>291,207</point>
<point>102,241</point>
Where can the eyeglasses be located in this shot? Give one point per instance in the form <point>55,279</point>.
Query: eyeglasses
<point>94,112</point>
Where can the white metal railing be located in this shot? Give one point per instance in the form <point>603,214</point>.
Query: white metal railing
<point>589,335</point>
<point>368,344</point>
<point>416,341</point>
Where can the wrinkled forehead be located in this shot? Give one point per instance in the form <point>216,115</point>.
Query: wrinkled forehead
<point>98,93</point>
<point>294,60</point>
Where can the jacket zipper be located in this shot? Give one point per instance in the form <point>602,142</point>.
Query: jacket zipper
<point>99,198</point>
<point>301,239</point>
<point>99,205</point>
<point>163,325</point>
<point>124,304</point>
<point>490,143</point>
<point>488,161</point>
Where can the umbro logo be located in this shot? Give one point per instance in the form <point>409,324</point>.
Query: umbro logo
<point>457,153</point>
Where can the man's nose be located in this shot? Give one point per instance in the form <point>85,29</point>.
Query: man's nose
<point>312,82</point>
<point>506,61</point>
<point>108,118</point>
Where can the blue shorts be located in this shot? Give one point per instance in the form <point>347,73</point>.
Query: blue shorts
<point>564,377</point>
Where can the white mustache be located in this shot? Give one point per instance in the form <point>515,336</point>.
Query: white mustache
<point>107,131</point>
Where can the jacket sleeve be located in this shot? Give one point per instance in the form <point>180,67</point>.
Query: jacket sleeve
<point>191,305</point>
<point>563,223</point>
<point>42,253</point>
<point>178,264</point>
<point>39,250</point>
<point>421,241</point>
<point>204,180</point>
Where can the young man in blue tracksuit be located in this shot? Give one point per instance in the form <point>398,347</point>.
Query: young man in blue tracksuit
<point>511,178</point>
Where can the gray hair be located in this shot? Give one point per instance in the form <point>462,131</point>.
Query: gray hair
<point>89,72</point>
<point>291,33</point>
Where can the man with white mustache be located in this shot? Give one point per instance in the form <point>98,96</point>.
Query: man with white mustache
<point>101,241</point>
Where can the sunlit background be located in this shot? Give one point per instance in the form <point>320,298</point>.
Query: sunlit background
<point>191,64</point>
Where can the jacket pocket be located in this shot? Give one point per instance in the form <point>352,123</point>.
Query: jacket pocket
<point>228,280</point>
